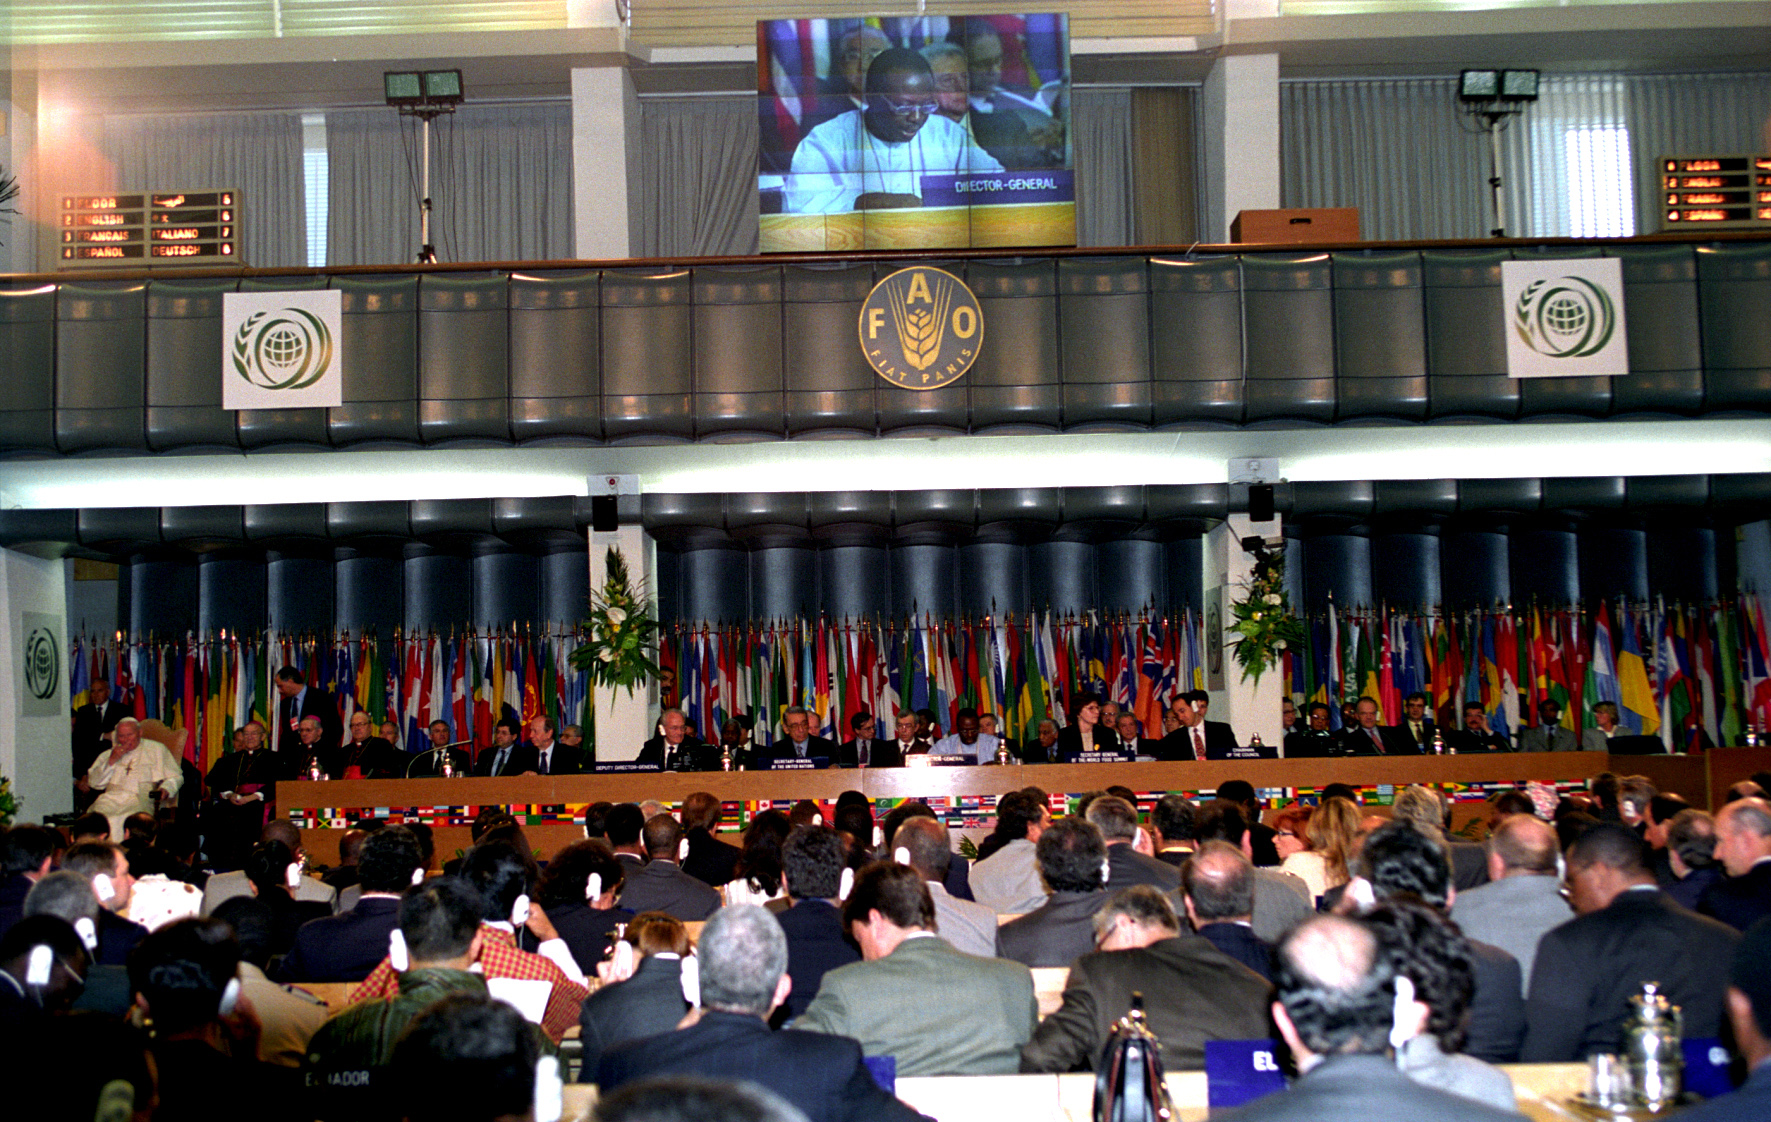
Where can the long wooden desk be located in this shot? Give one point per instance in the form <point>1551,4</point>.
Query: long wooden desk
<point>332,806</point>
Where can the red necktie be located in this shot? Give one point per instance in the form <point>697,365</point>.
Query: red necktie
<point>1198,743</point>
<point>1377,740</point>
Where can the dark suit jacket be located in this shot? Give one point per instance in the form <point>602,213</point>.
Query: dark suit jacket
<point>342,948</point>
<point>1751,1103</point>
<point>880,753</point>
<point>1261,839</point>
<point>691,755</point>
<point>116,938</point>
<point>661,886</point>
<point>1465,741</point>
<point>1056,933</point>
<point>1688,893</point>
<point>647,1004</point>
<point>375,757</point>
<point>315,703</point>
<point>586,931</point>
<point>1497,1007</point>
<point>1425,743</point>
<point>1220,737</point>
<point>521,759</point>
<point>428,763</point>
<point>1193,992</point>
<point>1739,901</point>
<point>710,860</point>
<point>561,760</point>
<point>1588,968</point>
<point>1356,741</point>
<point>1469,863</point>
<point>815,746</point>
<point>1126,867</point>
<point>1311,745</point>
<point>816,945</point>
<point>1070,743</point>
<point>821,1075</point>
<point>1241,943</point>
<point>13,891</point>
<point>1362,1087</point>
<point>89,726</point>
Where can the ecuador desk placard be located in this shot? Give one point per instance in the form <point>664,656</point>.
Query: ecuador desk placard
<point>1240,1071</point>
<point>915,132</point>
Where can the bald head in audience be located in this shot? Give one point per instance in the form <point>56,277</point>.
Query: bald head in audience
<point>1522,846</point>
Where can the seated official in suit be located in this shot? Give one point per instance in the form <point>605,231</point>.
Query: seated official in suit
<point>1220,738</point>
<point>743,958</point>
<point>428,762</point>
<point>367,756</point>
<point>645,1001</point>
<point>885,1001</point>
<point>968,925</point>
<point>1606,728</point>
<point>579,890</point>
<point>1218,887</point>
<point>990,727</point>
<point>1129,737</point>
<point>1118,822</point>
<point>1548,735</point>
<point>1043,747</point>
<point>1084,733</point>
<point>864,748</point>
<point>1523,899</point>
<point>1336,1008</point>
<point>1749,1015</point>
<point>1190,737</point>
<point>1743,843</point>
<point>1626,932</point>
<point>660,885</point>
<point>966,739</point>
<point>799,742</point>
<point>1434,957</point>
<point>907,739</point>
<point>1417,725</point>
<point>1476,735</point>
<point>505,756</point>
<point>1398,860</point>
<point>547,756</point>
<point>1192,991</point>
<point>817,940</point>
<point>710,860</point>
<point>344,948</point>
<point>1315,739</point>
<point>675,748</point>
<point>1072,860</point>
<point>1368,738</point>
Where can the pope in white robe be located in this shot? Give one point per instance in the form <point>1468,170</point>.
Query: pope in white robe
<point>129,773</point>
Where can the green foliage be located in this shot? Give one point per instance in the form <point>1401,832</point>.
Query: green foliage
<point>1264,622</point>
<point>8,802</point>
<point>622,633</point>
<point>968,849</point>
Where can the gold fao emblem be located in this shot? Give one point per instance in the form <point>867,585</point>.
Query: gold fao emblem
<point>921,328</point>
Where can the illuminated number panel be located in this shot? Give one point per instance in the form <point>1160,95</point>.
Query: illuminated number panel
<point>1718,192</point>
<point>150,228</point>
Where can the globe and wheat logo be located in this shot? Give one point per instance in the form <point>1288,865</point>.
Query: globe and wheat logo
<point>1567,317</point>
<point>921,328</point>
<point>288,349</point>
<point>42,664</point>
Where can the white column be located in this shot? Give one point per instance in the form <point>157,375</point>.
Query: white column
<point>34,744</point>
<point>605,159</point>
<point>1241,140</point>
<point>1246,706</point>
<point>624,721</point>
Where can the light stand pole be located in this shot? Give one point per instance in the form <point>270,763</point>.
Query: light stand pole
<point>1492,98</point>
<point>426,95</point>
<point>427,250</point>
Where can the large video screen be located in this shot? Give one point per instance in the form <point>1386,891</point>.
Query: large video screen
<point>931,132</point>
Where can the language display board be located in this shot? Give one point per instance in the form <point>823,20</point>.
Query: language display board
<point>150,228</point>
<point>1715,192</point>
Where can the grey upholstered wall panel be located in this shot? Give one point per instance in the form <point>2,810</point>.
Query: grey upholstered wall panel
<point>1682,562</point>
<point>101,380</point>
<point>184,371</point>
<point>1061,576</point>
<point>855,580</point>
<point>993,578</point>
<point>1104,326</point>
<point>738,353</point>
<point>1288,305</point>
<point>565,586</point>
<point>301,592</point>
<point>1613,563</point>
<point>1405,570</point>
<point>1196,341</point>
<point>714,585</point>
<point>646,354</point>
<point>925,578</point>
<point>1544,564</point>
<point>556,373</point>
<point>162,595</point>
<point>439,588</point>
<point>1133,575</point>
<point>784,583</point>
<point>1380,335</point>
<point>506,588</point>
<point>1665,335</point>
<point>1016,383</point>
<point>371,591</point>
<point>1466,335</point>
<point>1337,565</point>
<point>231,594</point>
<point>464,358</point>
<point>267,428</point>
<point>27,368</point>
<point>1735,300</point>
<point>1474,564</point>
<point>828,386</point>
<point>380,342</point>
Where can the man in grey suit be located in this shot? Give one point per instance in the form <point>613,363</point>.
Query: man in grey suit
<point>1281,900</point>
<point>660,885</point>
<point>1548,735</point>
<point>969,926</point>
<point>1007,881</point>
<point>892,1000</point>
<point>1523,898</point>
<point>1336,1007</point>
<point>1073,861</point>
<point>1118,822</point>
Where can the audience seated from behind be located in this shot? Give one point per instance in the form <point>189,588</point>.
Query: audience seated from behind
<point>468,1058</point>
<point>345,947</point>
<point>1192,991</point>
<point>710,860</point>
<point>1281,900</point>
<point>660,885</point>
<point>888,1001</point>
<point>687,1098</point>
<point>43,966</point>
<point>1749,1016</point>
<point>1172,820</point>
<point>105,867</point>
<point>968,925</point>
<point>578,892</point>
<point>639,997</point>
<point>1006,879</point>
<point>234,883</point>
<point>1117,819</point>
<point>958,877</point>
<point>756,878</point>
<point>68,896</point>
<point>1073,863</point>
<point>27,854</point>
<point>743,955</point>
<point>1743,846</point>
<point>1523,897</point>
<point>817,940</point>
<point>287,1018</point>
<point>1430,812</point>
<point>1218,886</point>
<point>269,868</point>
<point>1315,845</point>
<point>1691,856</point>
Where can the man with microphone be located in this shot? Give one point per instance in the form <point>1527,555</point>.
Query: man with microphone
<point>429,763</point>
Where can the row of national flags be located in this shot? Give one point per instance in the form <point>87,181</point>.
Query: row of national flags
<point>1023,669</point>
<point>212,685</point>
<point>1682,672</point>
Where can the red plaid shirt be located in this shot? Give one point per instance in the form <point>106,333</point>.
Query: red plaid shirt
<point>500,957</point>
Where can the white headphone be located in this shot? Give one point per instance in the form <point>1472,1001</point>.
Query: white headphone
<point>847,884</point>
<point>417,877</point>
<point>1404,998</point>
<point>230,997</point>
<point>692,980</point>
<point>104,886</point>
<point>593,887</point>
<point>519,911</point>
<point>550,1090</point>
<point>397,955</point>
<point>88,932</point>
<point>37,968</point>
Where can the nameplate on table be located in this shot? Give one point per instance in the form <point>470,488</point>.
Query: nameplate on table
<point>1706,1066</point>
<point>1045,185</point>
<point>623,766</point>
<point>1243,752</point>
<point>793,763</point>
<point>1117,756</point>
<point>1240,1071</point>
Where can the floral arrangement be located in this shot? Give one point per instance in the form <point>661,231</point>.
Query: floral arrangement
<point>8,802</point>
<point>1264,620</point>
<point>622,632</point>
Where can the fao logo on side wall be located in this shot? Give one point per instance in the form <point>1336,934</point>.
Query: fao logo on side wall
<point>921,328</point>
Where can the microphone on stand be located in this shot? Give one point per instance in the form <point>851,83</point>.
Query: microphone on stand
<point>432,752</point>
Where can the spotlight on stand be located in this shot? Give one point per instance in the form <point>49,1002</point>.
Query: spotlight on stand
<point>427,95</point>
<point>1491,98</point>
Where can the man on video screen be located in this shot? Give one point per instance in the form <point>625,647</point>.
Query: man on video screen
<point>875,158</point>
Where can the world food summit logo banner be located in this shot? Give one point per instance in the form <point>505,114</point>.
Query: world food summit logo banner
<point>40,661</point>
<point>280,350</point>
<point>1564,318</point>
<point>921,328</point>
